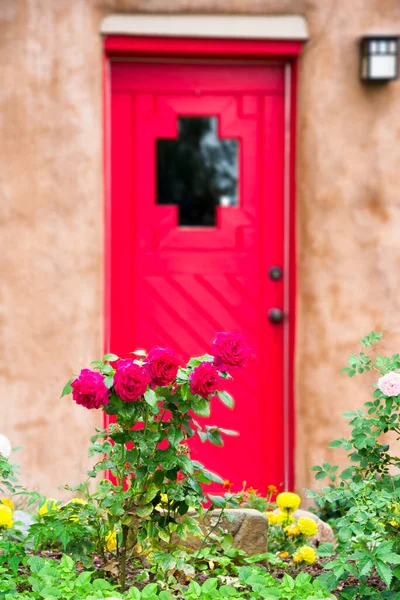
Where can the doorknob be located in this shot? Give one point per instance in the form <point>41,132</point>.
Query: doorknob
<point>275,273</point>
<point>276,315</point>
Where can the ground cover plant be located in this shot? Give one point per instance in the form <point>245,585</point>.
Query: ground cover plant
<point>126,539</point>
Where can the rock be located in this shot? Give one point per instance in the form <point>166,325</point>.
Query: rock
<point>22,521</point>
<point>325,531</point>
<point>248,528</point>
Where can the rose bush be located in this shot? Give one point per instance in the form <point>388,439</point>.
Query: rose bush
<point>143,506</point>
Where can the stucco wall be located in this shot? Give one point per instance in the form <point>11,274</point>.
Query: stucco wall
<point>51,217</point>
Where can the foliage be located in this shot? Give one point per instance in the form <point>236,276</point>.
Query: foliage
<point>367,493</point>
<point>52,580</point>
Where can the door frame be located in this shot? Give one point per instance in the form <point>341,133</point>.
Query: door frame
<point>286,52</point>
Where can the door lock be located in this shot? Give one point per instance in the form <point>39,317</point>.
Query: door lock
<point>275,273</point>
<point>276,316</point>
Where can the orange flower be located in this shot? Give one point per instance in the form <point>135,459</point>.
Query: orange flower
<point>227,485</point>
<point>251,490</point>
<point>272,489</point>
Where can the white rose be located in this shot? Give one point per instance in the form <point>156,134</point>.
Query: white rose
<point>5,446</point>
<point>389,384</point>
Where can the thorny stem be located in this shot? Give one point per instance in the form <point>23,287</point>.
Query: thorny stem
<point>209,533</point>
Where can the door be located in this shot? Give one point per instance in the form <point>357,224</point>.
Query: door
<point>197,171</point>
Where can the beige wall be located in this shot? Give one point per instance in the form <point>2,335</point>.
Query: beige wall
<point>51,219</point>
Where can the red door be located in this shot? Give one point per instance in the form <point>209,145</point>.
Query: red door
<point>197,154</point>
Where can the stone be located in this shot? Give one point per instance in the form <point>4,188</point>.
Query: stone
<point>22,521</point>
<point>248,528</point>
<point>325,531</point>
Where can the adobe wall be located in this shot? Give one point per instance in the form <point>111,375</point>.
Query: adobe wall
<point>51,217</point>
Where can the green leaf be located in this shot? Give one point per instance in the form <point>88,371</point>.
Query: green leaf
<point>200,406</point>
<point>109,381</point>
<point>384,571</point>
<point>149,590</point>
<point>49,591</point>
<point>145,511</point>
<point>210,584</point>
<point>174,436</point>
<point>228,431</point>
<point>345,534</point>
<point>209,474</point>
<point>151,492</point>
<point>226,398</point>
<point>150,397</point>
<point>67,389</point>
<point>347,473</point>
<point>337,443</point>
<point>218,501</point>
<point>110,357</point>
<point>214,436</point>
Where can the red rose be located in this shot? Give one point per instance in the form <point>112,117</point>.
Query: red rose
<point>230,351</point>
<point>130,380</point>
<point>89,389</point>
<point>204,380</point>
<point>161,365</point>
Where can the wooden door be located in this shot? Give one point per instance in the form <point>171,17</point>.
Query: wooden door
<point>197,163</point>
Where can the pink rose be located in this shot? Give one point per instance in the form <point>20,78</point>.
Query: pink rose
<point>389,384</point>
<point>161,365</point>
<point>89,389</point>
<point>230,351</point>
<point>130,380</point>
<point>204,380</point>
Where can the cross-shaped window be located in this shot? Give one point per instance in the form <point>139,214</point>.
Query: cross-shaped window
<point>197,171</point>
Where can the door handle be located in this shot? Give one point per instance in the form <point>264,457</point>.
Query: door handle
<point>276,316</point>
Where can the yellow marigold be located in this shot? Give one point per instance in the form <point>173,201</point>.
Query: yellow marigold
<point>307,526</point>
<point>111,541</point>
<point>292,530</point>
<point>305,554</point>
<point>50,506</point>
<point>272,518</point>
<point>288,501</point>
<point>395,522</point>
<point>284,519</point>
<point>75,501</point>
<point>297,558</point>
<point>6,516</point>
<point>282,554</point>
<point>7,502</point>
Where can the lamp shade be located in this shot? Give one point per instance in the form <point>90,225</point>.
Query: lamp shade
<point>379,58</point>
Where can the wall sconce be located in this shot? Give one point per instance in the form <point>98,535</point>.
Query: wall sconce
<point>379,58</point>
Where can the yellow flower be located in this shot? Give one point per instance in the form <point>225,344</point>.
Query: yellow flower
<point>305,554</point>
<point>7,502</point>
<point>292,530</point>
<point>75,501</point>
<point>288,501</point>
<point>284,519</point>
<point>395,522</point>
<point>282,554</point>
<point>111,541</point>
<point>6,516</point>
<point>307,526</point>
<point>272,518</point>
<point>50,506</point>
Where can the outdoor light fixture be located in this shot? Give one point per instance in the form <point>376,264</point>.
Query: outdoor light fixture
<point>379,57</point>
